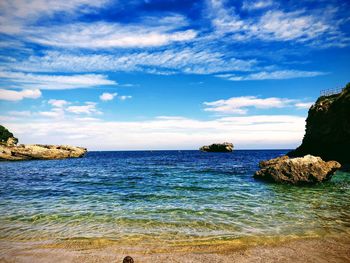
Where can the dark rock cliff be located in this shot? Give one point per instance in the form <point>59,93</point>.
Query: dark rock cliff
<point>328,129</point>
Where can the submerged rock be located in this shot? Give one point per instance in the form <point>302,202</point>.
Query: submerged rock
<point>37,151</point>
<point>328,129</point>
<point>304,170</point>
<point>218,147</point>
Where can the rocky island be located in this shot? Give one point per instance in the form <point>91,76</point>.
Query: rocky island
<point>10,151</point>
<point>217,147</point>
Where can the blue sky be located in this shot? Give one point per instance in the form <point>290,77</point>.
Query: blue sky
<point>125,75</point>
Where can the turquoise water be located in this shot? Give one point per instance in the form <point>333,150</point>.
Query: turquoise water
<point>166,195</point>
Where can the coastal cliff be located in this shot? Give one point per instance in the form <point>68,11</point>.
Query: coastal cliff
<point>328,129</point>
<point>10,151</point>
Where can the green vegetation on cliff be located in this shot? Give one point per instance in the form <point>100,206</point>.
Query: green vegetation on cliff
<point>5,134</point>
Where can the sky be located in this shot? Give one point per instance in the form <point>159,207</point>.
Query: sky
<point>168,74</point>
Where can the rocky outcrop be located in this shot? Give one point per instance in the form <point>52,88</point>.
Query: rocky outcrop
<point>304,170</point>
<point>218,147</point>
<point>328,129</point>
<point>9,151</point>
<point>37,151</point>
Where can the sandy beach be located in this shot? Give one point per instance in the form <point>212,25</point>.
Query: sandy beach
<point>328,249</point>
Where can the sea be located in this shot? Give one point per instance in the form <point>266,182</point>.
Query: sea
<point>189,197</point>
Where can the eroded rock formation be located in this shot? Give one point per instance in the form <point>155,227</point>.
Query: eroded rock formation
<point>303,170</point>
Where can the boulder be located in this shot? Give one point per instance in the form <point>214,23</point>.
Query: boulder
<point>303,170</point>
<point>37,151</point>
<point>218,147</point>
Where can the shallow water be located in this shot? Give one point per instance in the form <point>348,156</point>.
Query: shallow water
<point>164,195</point>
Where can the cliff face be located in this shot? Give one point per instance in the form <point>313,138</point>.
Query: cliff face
<point>328,129</point>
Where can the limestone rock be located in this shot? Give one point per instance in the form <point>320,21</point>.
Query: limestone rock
<point>218,147</point>
<point>37,151</point>
<point>304,170</point>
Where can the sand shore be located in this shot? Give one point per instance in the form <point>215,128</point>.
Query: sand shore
<point>328,249</point>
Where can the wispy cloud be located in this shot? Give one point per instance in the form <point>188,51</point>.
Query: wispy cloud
<point>108,35</point>
<point>16,15</point>
<point>304,105</point>
<point>13,95</point>
<point>240,105</point>
<point>54,82</point>
<point>88,108</point>
<point>187,60</point>
<point>125,97</point>
<point>313,28</point>
<point>58,103</point>
<point>280,74</point>
<point>253,5</point>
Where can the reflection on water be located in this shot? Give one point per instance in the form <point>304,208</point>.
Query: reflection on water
<point>167,195</point>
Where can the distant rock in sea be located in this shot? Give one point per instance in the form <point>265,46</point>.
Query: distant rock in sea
<point>10,151</point>
<point>304,170</point>
<point>328,128</point>
<point>218,147</point>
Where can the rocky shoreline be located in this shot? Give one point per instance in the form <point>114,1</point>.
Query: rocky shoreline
<point>40,152</point>
<point>10,151</point>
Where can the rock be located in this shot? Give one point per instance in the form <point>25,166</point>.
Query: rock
<point>328,129</point>
<point>11,141</point>
<point>218,147</point>
<point>304,170</point>
<point>128,259</point>
<point>37,151</point>
<point>9,151</point>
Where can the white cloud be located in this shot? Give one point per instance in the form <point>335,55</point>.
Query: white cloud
<point>263,131</point>
<point>56,113</point>
<point>240,105</point>
<point>253,5</point>
<point>20,113</point>
<point>279,25</point>
<point>279,74</point>
<point>15,15</point>
<point>125,97</point>
<point>314,28</point>
<point>13,95</point>
<point>55,82</point>
<point>88,108</point>
<point>107,96</point>
<point>108,35</point>
<point>304,105</point>
<point>187,60</point>
<point>58,103</point>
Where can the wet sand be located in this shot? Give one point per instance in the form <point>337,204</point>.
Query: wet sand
<point>328,249</point>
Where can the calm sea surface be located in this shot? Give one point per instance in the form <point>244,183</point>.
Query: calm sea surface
<point>166,195</point>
